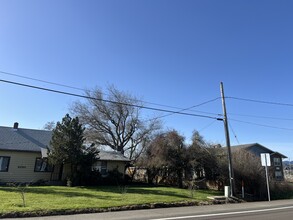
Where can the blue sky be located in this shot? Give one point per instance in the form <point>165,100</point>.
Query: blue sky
<point>168,52</point>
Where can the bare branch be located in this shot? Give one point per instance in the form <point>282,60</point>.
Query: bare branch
<point>112,123</point>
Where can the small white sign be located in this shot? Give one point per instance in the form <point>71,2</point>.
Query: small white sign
<point>44,152</point>
<point>265,160</point>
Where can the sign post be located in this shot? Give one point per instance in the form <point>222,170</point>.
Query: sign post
<point>266,162</point>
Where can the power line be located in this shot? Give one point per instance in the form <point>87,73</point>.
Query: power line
<point>260,101</point>
<point>185,109</point>
<point>80,89</point>
<point>205,127</point>
<point>262,125</point>
<point>263,117</point>
<point>104,100</point>
<point>235,136</point>
<point>43,81</point>
<point>180,110</point>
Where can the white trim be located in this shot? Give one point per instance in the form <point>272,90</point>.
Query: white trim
<point>44,152</point>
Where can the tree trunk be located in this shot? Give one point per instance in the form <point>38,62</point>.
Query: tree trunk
<point>60,172</point>
<point>180,179</point>
<point>120,149</point>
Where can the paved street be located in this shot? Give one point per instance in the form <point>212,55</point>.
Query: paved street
<point>282,209</point>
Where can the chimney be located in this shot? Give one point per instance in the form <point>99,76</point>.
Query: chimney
<point>217,146</point>
<point>15,126</point>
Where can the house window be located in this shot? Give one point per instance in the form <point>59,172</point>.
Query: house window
<point>278,175</point>
<point>42,165</point>
<point>101,166</point>
<point>4,163</point>
<point>277,161</point>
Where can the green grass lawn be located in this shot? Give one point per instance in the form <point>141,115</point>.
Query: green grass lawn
<point>50,198</point>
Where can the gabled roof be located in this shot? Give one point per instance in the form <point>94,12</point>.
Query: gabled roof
<point>31,140</point>
<point>112,156</point>
<point>249,146</point>
<point>24,139</point>
<point>257,149</point>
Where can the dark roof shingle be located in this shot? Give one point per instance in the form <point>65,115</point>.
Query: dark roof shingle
<point>112,156</point>
<point>24,139</point>
<point>34,140</point>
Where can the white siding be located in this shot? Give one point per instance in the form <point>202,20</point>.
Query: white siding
<point>21,167</point>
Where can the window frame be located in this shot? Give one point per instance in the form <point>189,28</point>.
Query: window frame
<point>48,168</point>
<point>104,170</point>
<point>277,161</point>
<point>101,166</point>
<point>8,163</point>
<point>279,177</point>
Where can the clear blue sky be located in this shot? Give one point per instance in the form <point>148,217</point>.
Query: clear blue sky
<point>168,52</point>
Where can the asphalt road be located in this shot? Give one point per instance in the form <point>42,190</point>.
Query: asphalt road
<point>282,209</point>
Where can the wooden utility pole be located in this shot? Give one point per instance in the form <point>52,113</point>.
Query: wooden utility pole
<point>225,120</point>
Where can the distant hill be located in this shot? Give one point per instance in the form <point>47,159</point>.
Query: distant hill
<point>287,162</point>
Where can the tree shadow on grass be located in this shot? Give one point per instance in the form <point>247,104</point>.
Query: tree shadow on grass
<point>164,191</point>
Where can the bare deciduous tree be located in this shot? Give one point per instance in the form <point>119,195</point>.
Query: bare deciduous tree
<point>114,120</point>
<point>248,169</point>
<point>166,157</point>
<point>50,125</point>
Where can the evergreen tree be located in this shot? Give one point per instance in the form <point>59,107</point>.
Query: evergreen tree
<point>67,146</point>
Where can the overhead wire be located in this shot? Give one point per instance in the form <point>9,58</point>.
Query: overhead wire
<point>185,109</point>
<point>262,125</point>
<point>207,126</point>
<point>170,112</point>
<point>235,136</point>
<point>259,101</point>
<point>105,100</point>
<point>80,89</point>
<point>262,117</point>
<point>39,80</point>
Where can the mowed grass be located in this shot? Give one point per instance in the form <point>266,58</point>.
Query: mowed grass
<point>50,198</point>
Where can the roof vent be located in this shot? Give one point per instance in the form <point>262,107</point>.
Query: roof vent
<point>15,126</point>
